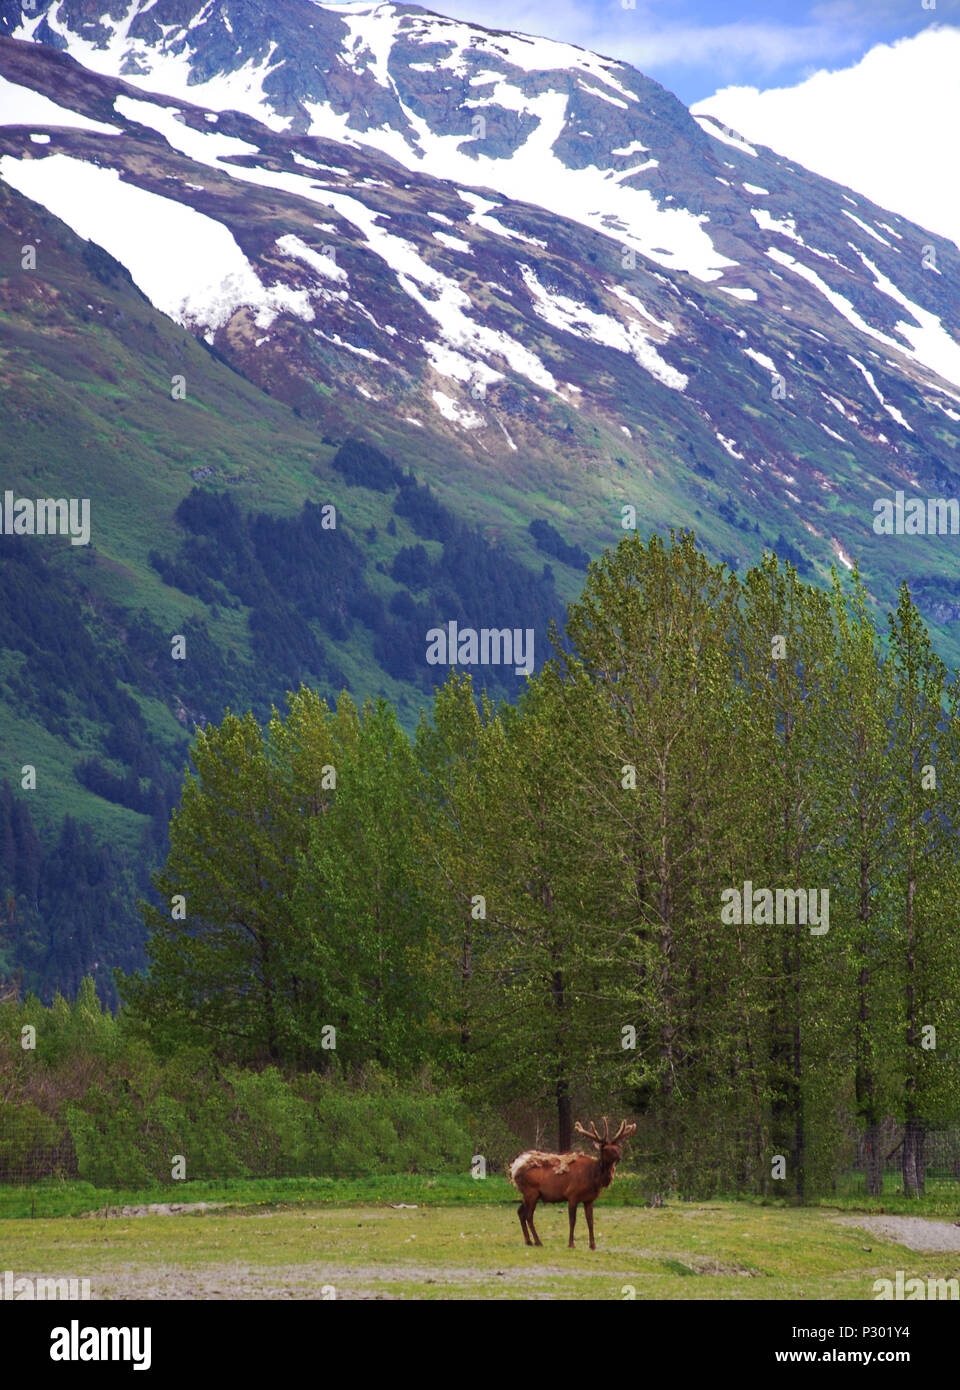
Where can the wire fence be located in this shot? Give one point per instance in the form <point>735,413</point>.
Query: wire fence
<point>23,1163</point>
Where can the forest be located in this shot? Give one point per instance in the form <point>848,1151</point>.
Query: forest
<point>308,598</point>
<point>516,916</point>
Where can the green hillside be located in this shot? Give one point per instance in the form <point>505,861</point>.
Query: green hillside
<point>264,595</point>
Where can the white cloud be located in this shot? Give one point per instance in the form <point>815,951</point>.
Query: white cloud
<point>849,125</point>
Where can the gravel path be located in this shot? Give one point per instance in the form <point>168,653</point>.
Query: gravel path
<point>916,1232</point>
<point>313,1281</point>
<point>156,1209</point>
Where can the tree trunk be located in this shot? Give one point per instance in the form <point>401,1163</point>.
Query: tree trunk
<point>912,1163</point>
<point>466,978</point>
<point>799,1132</point>
<point>667,946</point>
<point>864,1082</point>
<point>873,1160</point>
<point>564,1118</point>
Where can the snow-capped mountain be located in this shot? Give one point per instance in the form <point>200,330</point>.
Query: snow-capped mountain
<point>373,249</point>
<point>531,254</point>
<point>886,126</point>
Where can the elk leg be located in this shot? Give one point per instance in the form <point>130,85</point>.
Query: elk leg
<point>588,1209</point>
<point>573,1222</point>
<point>532,1209</point>
<point>521,1212</point>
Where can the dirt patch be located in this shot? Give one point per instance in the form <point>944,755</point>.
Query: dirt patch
<point>706,1264</point>
<point>916,1232</point>
<point>156,1209</point>
<point>313,1281</point>
<point>319,1281</point>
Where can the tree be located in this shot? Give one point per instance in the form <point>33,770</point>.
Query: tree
<point>362,914</point>
<point>546,1009</point>
<point>649,695</point>
<point>923,861</point>
<point>227,965</point>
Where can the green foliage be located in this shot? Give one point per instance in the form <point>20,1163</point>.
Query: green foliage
<point>549,540</point>
<point>526,902</point>
<point>363,465</point>
<point>26,1137</point>
<point>94,1101</point>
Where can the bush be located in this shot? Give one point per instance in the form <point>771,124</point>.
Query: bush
<point>94,1101</point>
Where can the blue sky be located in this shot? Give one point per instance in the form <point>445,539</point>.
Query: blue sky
<point>694,47</point>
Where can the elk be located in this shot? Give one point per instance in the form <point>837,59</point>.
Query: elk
<point>572,1178</point>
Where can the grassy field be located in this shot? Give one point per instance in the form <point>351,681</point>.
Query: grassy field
<point>453,1239</point>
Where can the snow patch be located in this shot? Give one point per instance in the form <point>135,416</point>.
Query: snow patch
<point>23,106</point>
<point>890,409</point>
<point>932,346</point>
<point>762,359</point>
<point>187,264</point>
<point>158,68</point>
<point>785,226</point>
<point>455,413</point>
<point>729,445</point>
<point>454,243</point>
<point>673,237</point>
<point>865,228</point>
<point>445,302</point>
<point>712,126</point>
<point>291,245</point>
<point>350,347</point>
<point>629,337</point>
<point>205,146</point>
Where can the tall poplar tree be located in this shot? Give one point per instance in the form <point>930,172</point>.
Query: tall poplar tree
<point>363,914</point>
<point>923,865</point>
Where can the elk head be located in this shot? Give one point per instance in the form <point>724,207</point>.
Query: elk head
<point>610,1147</point>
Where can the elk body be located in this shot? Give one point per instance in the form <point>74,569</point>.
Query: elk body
<point>572,1178</point>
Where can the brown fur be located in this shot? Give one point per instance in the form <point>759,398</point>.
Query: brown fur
<point>571,1177</point>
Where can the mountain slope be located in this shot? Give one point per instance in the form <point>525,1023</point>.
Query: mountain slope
<point>486,318</point>
<point>206,522</point>
<point>521,274</point>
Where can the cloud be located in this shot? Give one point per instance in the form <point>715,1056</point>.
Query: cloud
<point>827,34</point>
<point>880,13</point>
<point>885,126</point>
<point>762,47</point>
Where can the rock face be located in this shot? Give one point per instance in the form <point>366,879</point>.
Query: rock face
<point>524,257</point>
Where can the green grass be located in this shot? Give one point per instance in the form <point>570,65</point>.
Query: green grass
<point>53,1197</point>
<point>456,1238</point>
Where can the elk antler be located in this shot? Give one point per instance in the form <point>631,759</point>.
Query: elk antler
<point>623,1132</point>
<point>590,1133</point>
